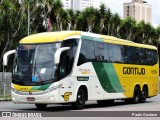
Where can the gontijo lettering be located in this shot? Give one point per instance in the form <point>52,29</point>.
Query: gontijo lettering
<point>134,70</point>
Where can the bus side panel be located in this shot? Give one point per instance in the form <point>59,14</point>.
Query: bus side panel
<point>112,88</point>
<point>132,75</point>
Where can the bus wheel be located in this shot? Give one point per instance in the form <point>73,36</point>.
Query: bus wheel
<point>136,96</point>
<point>105,102</point>
<point>80,102</point>
<point>41,106</point>
<point>143,95</point>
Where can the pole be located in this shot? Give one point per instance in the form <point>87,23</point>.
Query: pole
<point>4,82</point>
<point>28,18</point>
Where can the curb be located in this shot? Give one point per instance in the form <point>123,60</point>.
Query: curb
<point>5,99</point>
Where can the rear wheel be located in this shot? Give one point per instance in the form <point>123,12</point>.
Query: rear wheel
<point>144,95</point>
<point>105,102</point>
<point>136,96</point>
<point>81,98</point>
<point>41,106</point>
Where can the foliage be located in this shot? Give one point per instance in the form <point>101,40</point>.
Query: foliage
<point>14,16</point>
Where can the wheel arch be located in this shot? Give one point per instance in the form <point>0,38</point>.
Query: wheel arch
<point>84,87</point>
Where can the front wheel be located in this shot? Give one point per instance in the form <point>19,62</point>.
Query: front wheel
<point>41,106</point>
<point>80,101</point>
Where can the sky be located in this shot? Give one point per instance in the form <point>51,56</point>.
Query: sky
<point>116,6</point>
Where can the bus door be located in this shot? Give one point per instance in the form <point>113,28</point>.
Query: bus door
<point>65,67</point>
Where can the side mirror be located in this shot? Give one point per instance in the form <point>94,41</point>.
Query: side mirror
<point>5,57</point>
<point>58,54</point>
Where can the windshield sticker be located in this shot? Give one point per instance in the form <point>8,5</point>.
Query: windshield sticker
<point>34,79</point>
<point>43,70</point>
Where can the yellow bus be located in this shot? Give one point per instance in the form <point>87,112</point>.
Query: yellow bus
<point>75,67</point>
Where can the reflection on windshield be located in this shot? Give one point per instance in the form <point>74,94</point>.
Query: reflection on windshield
<point>35,63</point>
<point>23,61</point>
<point>44,67</point>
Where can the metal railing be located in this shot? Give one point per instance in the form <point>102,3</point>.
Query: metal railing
<point>5,84</point>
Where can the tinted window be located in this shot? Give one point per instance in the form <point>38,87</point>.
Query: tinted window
<point>87,52</point>
<point>139,56</point>
<point>127,54</point>
<point>67,58</point>
<point>99,51</point>
<point>115,53</point>
<point>151,56</point>
<point>92,51</point>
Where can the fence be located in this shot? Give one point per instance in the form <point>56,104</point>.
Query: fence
<point>5,84</point>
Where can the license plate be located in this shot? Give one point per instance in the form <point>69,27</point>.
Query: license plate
<point>30,99</point>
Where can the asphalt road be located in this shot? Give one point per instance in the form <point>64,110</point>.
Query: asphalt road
<point>152,104</point>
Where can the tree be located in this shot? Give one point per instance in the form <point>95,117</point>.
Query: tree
<point>116,20</point>
<point>90,17</point>
<point>12,19</point>
<point>126,28</point>
<point>108,20</point>
<point>102,17</point>
<point>56,12</point>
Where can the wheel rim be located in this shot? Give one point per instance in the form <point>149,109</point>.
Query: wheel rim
<point>80,98</point>
<point>137,98</point>
<point>143,95</point>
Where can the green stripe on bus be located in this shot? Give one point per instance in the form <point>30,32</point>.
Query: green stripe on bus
<point>98,39</point>
<point>86,37</point>
<point>113,77</point>
<point>35,87</point>
<point>43,87</point>
<point>103,77</point>
<point>92,38</point>
<point>108,77</point>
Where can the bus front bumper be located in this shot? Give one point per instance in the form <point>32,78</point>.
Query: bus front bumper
<point>47,98</point>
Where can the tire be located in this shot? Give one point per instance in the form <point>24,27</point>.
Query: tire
<point>41,106</point>
<point>105,102</point>
<point>80,101</point>
<point>136,96</point>
<point>144,95</point>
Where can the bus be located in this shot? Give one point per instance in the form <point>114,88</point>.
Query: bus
<point>74,67</point>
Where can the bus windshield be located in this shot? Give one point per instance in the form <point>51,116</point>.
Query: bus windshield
<point>34,64</point>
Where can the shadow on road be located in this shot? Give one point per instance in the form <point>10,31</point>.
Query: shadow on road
<point>60,108</point>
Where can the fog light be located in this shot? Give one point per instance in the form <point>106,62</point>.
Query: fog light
<point>13,98</point>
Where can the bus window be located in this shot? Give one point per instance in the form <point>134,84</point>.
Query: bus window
<point>128,55</point>
<point>115,53</point>
<point>67,57</point>
<point>87,53</point>
<point>151,57</point>
<point>99,51</point>
<point>142,57</point>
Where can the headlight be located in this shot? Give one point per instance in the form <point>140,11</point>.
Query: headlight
<point>53,88</point>
<point>13,89</point>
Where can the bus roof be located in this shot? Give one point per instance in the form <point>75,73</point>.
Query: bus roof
<point>50,37</point>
